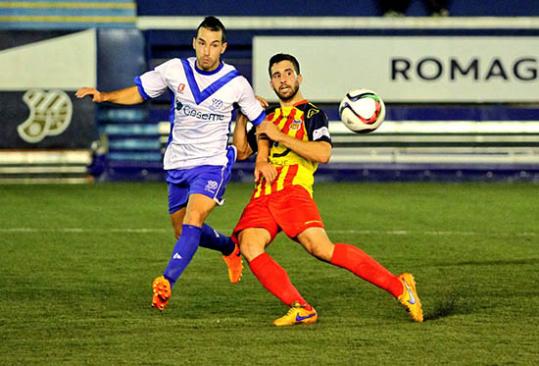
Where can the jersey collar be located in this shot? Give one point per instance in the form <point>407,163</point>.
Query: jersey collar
<point>203,72</point>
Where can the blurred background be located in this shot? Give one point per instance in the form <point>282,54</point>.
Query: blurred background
<point>459,78</point>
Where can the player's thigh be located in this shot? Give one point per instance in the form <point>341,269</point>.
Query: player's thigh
<point>316,241</point>
<point>256,215</point>
<point>211,180</point>
<point>295,211</point>
<point>178,195</point>
<point>198,208</point>
<point>253,241</point>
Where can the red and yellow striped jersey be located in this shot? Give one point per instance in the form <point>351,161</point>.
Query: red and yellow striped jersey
<point>303,121</point>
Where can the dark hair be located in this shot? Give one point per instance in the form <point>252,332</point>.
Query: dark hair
<point>283,57</point>
<point>213,24</point>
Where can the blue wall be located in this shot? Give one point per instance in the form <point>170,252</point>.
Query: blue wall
<point>330,8</point>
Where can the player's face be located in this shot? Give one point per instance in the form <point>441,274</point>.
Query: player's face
<point>284,80</point>
<point>209,47</point>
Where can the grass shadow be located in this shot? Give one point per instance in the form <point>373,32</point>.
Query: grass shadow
<point>446,305</point>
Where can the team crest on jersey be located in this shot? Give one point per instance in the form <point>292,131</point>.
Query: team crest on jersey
<point>312,112</point>
<point>295,125</point>
<point>211,186</point>
<point>216,104</point>
<point>181,88</point>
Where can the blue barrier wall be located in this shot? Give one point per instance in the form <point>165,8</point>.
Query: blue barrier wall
<point>329,8</point>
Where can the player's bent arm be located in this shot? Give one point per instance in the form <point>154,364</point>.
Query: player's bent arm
<point>126,96</point>
<point>318,151</point>
<point>239,138</point>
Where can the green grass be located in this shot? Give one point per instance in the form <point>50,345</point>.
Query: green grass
<point>76,263</point>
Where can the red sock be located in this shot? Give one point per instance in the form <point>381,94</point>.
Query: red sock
<point>358,262</point>
<point>275,279</point>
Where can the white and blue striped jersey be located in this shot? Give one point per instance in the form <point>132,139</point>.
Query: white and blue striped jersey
<point>201,111</point>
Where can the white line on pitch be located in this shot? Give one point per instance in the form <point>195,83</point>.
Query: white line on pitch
<point>351,231</point>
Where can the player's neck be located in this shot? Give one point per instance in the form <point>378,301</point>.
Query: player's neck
<point>291,102</point>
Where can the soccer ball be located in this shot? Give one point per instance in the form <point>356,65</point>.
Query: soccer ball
<point>362,110</point>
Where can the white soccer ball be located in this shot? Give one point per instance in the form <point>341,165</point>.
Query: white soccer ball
<point>362,110</point>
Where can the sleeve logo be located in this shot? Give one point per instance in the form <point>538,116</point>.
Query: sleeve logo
<point>50,114</point>
<point>312,112</point>
<point>321,132</point>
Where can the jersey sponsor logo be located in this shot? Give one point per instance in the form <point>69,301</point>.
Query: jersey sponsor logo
<point>50,114</point>
<point>281,154</point>
<point>312,112</point>
<point>191,111</point>
<point>320,132</point>
<point>211,186</point>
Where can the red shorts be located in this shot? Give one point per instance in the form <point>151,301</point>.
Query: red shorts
<point>291,210</point>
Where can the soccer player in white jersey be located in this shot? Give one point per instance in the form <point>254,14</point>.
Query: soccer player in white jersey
<point>197,159</point>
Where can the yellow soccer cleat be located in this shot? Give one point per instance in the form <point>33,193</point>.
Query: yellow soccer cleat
<point>297,314</point>
<point>161,293</point>
<point>409,298</point>
<point>235,265</point>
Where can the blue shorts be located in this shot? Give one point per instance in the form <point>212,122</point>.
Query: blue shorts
<point>209,180</point>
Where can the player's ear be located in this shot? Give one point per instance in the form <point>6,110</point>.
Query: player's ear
<point>223,47</point>
<point>300,78</point>
<point>194,43</point>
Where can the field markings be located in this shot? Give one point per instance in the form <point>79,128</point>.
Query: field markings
<point>350,231</point>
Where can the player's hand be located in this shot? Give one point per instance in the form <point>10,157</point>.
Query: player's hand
<point>264,169</point>
<point>96,95</point>
<point>263,102</point>
<point>268,129</point>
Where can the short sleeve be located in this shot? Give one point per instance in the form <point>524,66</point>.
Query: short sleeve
<point>153,83</point>
<point>248,103</point>
<point>317,125</point>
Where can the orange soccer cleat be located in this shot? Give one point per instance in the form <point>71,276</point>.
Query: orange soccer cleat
<point>161,293</point>
<point>235,265</point>
<point>409,298</point>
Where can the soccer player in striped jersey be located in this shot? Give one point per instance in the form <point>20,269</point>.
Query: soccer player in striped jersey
<point>197,160</point>
<point>282,200</point>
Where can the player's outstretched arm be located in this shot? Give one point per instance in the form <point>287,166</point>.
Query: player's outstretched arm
<point>127,96</point>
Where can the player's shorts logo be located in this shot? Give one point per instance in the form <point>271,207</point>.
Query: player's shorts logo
<point>50,114</point>
<point>211,186</point>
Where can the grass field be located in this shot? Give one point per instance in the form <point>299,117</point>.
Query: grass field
<point>76,265</point>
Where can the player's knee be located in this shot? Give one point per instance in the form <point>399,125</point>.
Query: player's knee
<point>318,246</point>
<point>250,246</point>
<point>195,218</point>
<point>323,251</point>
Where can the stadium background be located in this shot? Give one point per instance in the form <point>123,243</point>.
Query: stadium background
<point>481,125</point>
<point>77,260</point>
